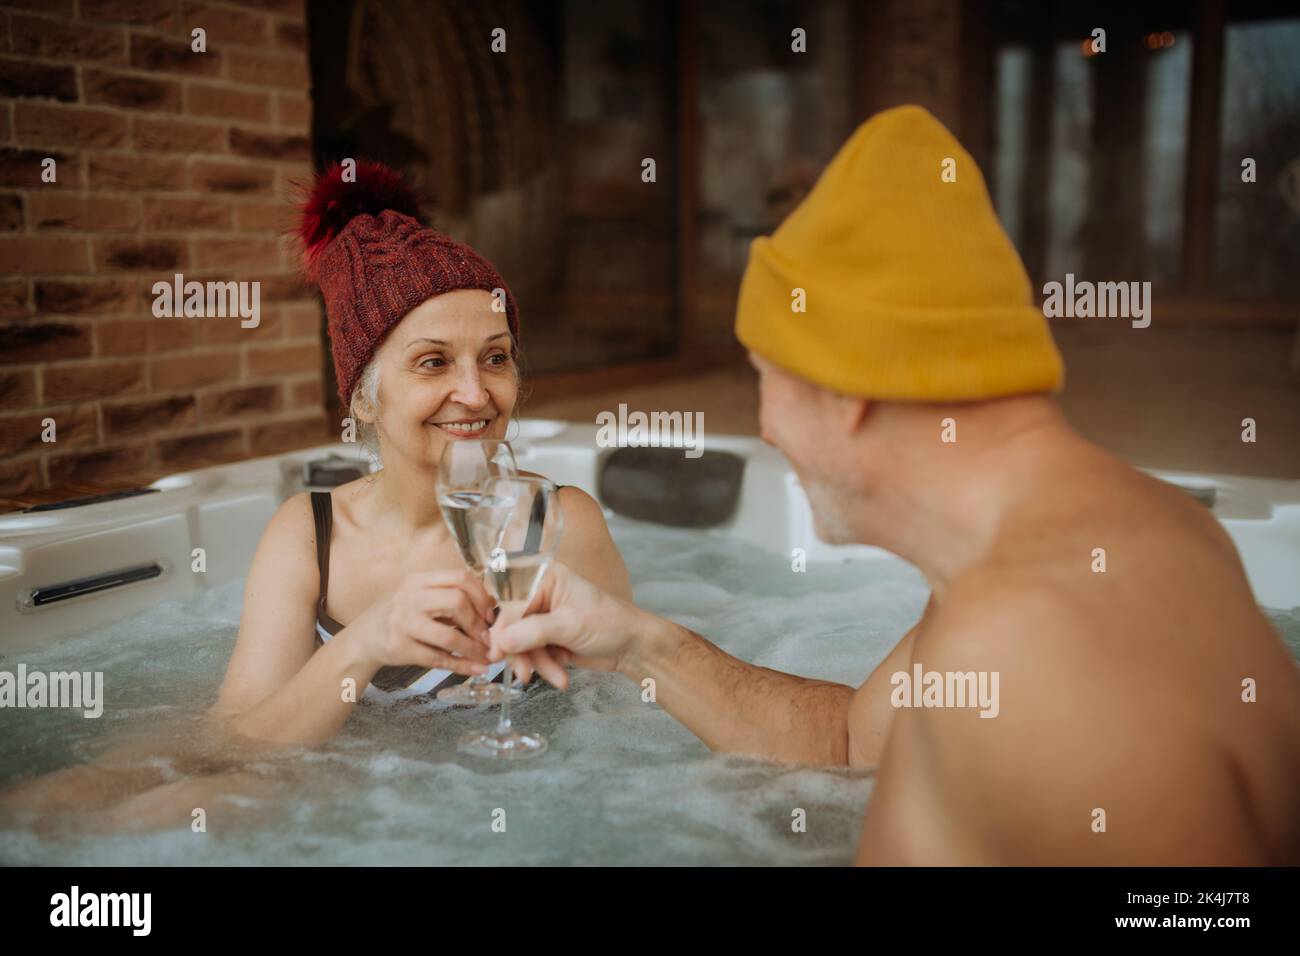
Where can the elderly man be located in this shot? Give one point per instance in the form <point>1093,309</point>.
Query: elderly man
<point>912,397</point>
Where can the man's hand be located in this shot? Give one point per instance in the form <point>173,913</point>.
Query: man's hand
<point>576,622</point>
<point>730,705</point>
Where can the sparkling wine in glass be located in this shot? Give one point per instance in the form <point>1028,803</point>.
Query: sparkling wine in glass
<point>515,531</point>
<point>466,466</point>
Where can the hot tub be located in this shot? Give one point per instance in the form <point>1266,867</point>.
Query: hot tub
<point>119,588</point>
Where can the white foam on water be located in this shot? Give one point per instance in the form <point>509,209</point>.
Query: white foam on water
<point>622,782</point>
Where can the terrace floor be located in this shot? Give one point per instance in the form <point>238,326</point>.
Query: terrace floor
<point>1160,398</point>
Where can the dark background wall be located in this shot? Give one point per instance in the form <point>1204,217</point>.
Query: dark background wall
<point>1118,166</point>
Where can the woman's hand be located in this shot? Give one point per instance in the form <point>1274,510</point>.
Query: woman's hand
<point>570,620</point>
<point>434,619</point>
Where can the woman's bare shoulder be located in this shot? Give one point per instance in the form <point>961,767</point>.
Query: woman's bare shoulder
<point>577,504</point>
<point>276,633</point>
<point>294,520</point>
<point>586,546</point>
<point>288,546</point>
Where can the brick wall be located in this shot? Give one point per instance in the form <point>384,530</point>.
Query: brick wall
<point>168,160</point>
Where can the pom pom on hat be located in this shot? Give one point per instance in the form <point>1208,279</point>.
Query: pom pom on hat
<point>333,202</point>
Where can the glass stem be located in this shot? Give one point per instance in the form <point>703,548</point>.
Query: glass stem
<point>479,681</point>
<point>503,725</point>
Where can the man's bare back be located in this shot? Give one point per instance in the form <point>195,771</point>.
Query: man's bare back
<point>1144,710</point>
<point>1121,735</point>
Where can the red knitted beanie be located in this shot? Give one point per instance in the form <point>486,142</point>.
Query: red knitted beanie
<point>374,262</point>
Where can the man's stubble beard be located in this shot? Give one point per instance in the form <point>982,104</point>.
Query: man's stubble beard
<point>830,514</point>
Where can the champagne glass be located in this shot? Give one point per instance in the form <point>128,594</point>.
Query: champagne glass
<point>467,464</point>
<point>515,530</point>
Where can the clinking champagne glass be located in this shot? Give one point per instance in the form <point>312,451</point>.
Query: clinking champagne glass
<point>516,528</point>
<point>467,464</point>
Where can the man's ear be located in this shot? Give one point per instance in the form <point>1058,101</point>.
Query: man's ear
<point>861,409</point>
<point>852,412</point>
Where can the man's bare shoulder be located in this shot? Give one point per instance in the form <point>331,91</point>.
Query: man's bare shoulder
<point>1002,609</point>
<point>1037,643</point>
<point>1103,756</point>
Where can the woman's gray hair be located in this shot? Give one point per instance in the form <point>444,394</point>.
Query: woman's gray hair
<point>367,390</point>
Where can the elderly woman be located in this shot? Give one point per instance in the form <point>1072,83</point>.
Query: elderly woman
<point>425,357</point>
<point>369,578</point>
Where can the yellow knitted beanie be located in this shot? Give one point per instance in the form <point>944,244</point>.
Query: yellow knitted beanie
<point>911,290</point>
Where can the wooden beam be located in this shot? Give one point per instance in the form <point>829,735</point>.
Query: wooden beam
<point>1203,132</point>
<point>1114,241</point>
<point>687,177</point>
<point>976,81</point>
<point>1035,207</point>
<point>867,23</point>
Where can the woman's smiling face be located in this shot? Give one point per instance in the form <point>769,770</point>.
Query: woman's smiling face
<point>446,373</point>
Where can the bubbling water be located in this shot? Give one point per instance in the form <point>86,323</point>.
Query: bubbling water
<point>622,783</point>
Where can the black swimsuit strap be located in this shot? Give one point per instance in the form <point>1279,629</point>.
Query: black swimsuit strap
<point>322,506</point>
<point>387,678</point>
